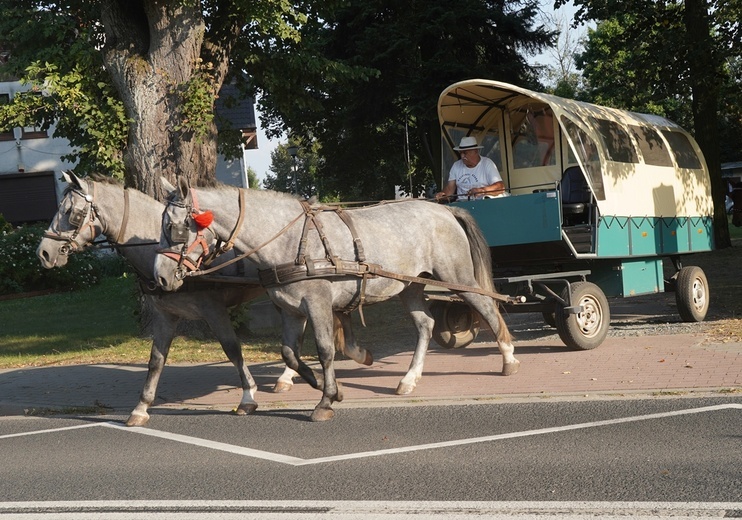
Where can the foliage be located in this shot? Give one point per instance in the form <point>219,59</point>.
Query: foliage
<point>55,53</point>
<point>197,101</point>
<point>284,166</point>
<point>374,110</point>
<point>132,84</point>
<point>21,271</point>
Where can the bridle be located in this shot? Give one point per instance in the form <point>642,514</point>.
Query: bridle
<point>177,234</point>
<point>82,219</point>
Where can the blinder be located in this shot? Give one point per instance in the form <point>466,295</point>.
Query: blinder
<point>178,232</point>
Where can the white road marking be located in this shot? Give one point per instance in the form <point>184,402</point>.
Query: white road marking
<point>51,430</point>
<point>363,510</point>
<point>295,461</point>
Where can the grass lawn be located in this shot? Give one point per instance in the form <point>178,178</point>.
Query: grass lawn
<point>97,325</point>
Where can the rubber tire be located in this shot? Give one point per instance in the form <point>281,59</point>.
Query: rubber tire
<point>456,324</point>
<point>692,294</point>
<point>585,330</point>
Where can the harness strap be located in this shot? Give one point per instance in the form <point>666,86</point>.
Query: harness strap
<point>290,272</point>
<point>238,225</point>
<point>345,217</point>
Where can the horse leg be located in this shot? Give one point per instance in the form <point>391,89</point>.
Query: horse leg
<point>218,319</point>
<point>413,300</point>
<point>323,324</point>
<point>285,381</point>
<point>164,331</point>
<point>487,308</point>
<point>345,340</point>
<point>294,327</point>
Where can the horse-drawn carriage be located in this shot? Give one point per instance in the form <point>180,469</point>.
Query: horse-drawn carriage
<point>599,197</point>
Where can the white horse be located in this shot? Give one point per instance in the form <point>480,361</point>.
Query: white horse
<point>131,221</point>
<point>316,261</point>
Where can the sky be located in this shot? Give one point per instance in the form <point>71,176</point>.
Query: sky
<point>260,160</point>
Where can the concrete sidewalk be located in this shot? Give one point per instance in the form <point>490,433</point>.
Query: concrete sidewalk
<point>621,366</point>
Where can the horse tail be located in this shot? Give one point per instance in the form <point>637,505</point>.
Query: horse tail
<point>480,251</point>
<point>482,261</point>
<point>338,334</point>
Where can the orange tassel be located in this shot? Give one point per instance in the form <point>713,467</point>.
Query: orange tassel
<point>204,219</point>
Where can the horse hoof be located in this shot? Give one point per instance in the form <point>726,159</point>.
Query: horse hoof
<point>246,409</point>
<point>282,386</point>
<point>339,395</point>
<point>508,369</point>
<point>322,414</point>
<point>404,389</point>
<point>369,359</point>
<point>137,419</point>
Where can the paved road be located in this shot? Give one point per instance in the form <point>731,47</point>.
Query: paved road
<point>677,450</point>
<point>647,425</point>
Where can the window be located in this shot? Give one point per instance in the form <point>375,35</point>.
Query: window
<point>651,145</point>
<point>6,136</point>
<point>681,148</point>
<point>616,140</point>
<point>587,151</point>
<point>533,137</point>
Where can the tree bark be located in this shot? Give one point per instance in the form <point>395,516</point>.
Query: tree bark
<point>705,78</point>
<point>153,48</point>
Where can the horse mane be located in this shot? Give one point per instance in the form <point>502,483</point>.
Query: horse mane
<point>104,179</point>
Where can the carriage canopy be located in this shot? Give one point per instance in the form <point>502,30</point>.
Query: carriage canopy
<point>636,165</point>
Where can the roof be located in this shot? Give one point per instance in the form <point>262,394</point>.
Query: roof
<point>235,108</point>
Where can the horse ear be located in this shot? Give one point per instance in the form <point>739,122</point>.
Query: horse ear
<point>166,185</point>
<point>70,178</point>
<point>183,187</point>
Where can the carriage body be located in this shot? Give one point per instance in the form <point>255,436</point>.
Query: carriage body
<point>596,195</point>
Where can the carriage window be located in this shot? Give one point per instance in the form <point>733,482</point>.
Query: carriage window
<point>651,145</point>
<point>533,138</point>
<point>616,140</point>
<point>490,148</point>
<point>587,150</point>
<point>684,153</point>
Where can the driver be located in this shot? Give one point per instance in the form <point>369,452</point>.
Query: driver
<point>472,175</point>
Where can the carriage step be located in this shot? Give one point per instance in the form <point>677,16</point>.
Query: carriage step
<point>581,238</point>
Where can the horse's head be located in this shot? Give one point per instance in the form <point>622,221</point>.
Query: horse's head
<point>75,225</point>
<point>186,238</point>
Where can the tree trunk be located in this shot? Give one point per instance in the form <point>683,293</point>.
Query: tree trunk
<point>153,48</point>
<point>705,78</point>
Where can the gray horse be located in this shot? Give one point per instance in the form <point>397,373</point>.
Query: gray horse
<point>315,261</point>
<point>131,220</point>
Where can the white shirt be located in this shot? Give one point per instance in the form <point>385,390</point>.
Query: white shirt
<point>483,174</point>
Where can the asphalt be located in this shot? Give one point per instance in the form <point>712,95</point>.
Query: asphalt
<point>642,362</point>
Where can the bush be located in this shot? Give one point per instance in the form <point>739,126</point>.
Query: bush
<point>21,271</point>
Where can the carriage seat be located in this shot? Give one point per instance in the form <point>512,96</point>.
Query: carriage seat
<point>575,194</point>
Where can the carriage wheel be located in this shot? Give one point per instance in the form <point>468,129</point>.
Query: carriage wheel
<point>586,329</point>
<point>692,294</point>
<point>456,324</point>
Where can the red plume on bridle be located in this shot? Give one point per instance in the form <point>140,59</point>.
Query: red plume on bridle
<point>203,219</point>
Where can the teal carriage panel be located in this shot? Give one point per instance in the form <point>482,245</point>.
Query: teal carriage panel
<point>675,235</point>
<point>613,236</point>
<point>628,277</point>
<point>650,236</point>
<point>701,233</point>
<point>520,219</point>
